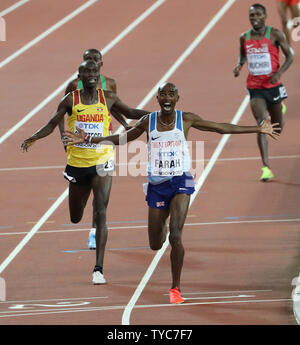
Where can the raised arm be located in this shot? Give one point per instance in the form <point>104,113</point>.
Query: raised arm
<point>64,106</point>
<point>242,57</point>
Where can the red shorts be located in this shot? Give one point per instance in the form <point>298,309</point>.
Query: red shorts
<point>289,2</point>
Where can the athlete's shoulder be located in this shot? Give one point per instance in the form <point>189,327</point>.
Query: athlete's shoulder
<point>72,86</point>
<point>243,35</point>
<point>189,116</point>
<point>110,84</point>
<point>276,32</point>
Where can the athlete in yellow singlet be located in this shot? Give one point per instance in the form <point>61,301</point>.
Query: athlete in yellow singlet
<point>95,119</point>
<point>88,167</point>
<point>105,83</point>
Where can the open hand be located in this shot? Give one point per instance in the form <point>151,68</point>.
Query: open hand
<point>71,138</point>
<point>270,128</point>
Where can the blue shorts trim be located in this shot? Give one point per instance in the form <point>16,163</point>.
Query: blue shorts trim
<point>160,195</point>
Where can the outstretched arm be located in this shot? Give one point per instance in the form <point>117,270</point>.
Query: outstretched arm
<point>116,139</point>
<point>227,128</point>
<point>64,106</point>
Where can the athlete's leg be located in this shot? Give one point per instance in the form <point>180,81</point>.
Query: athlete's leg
<point>178,211</point>
<point>157,228</point>
<point>93,218</point>
<point>282,10</point>
<point>275,111</point>
<point>78,196</point>
<point>101,189</point>
<point>295,13</point>
<point>259,111</point>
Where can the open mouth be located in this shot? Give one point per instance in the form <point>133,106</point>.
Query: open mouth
<point>256,23</point>
<point>92,80</point>
<point>167,106</point>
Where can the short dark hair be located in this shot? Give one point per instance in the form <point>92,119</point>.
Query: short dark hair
<point>84,64</point>
<point>92,50</point>
<point>260,6</point>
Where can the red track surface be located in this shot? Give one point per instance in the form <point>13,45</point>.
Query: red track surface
<point>257,260</point>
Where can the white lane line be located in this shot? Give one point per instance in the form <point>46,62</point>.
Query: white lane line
<point>217,297</point>
<point>53,300</point>
<point>157,257</point>
<point>13,7</point>
<point>47,32</point>
<point>233,159</point>
<point>146,226</point>
<point>220,292</point>
<point>9,314</point>
<point>63,86</point>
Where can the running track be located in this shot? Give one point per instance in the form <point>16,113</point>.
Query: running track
<point>241,236</point>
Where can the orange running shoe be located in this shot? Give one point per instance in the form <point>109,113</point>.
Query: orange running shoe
<point>175,297</point>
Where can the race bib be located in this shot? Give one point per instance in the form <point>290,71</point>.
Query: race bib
<point>166,158</point>
<point>93,129</point>
<point>259,64</point>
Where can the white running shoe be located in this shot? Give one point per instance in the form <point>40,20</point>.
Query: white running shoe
<point>92,239</point>
<point>98,278</point>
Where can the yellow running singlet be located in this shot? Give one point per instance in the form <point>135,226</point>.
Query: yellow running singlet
<point>95,120</point>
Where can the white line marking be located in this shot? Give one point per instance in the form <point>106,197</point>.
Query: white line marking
<point>157,257</point>
<point>47,32</point>
<point>146,226</point>
<point>57,305</point>
<point>53,299</point>
<point>120,307</point>
<point>13,7</point>
<point>217,297</point>
<point>145,163</point>
<point>219,292</point>
<point>37,226</point>
<point>62,87</point>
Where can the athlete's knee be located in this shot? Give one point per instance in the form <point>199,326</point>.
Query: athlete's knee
<point>75,218</point>
<point>175,238</point>
<point>156,245</point>
<point>100,213</point>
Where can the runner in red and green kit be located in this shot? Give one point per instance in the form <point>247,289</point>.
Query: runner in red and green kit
<point>260,47</point>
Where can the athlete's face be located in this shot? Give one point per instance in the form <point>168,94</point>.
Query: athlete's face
<point>167,97</point>
<point>93,56</point>
<point>257,18</point>
<point>89,74</point>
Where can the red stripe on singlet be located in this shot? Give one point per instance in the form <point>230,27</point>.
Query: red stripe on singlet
<point>76,97</point>
<point>102,101</point>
